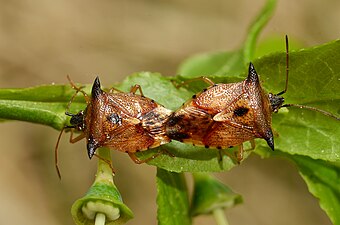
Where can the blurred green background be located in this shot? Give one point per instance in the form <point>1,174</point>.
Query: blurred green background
<point>43,41</point>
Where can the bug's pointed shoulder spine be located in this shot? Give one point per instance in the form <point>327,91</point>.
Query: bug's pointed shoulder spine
<point>96,90</point>
<point>253,77</point>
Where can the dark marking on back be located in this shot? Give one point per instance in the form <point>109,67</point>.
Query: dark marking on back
<point>178,136</point>
<point>241,111</point>
<point>173,120</point>
<point>114,118</point>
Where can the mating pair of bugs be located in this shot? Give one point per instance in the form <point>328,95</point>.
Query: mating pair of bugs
<point>221,116</point>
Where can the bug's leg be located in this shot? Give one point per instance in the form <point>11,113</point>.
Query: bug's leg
<point>204,79</point>
<point>113,90</point>
<point>78,89</point>
<point>231,155</point>
<point>167,152</point>
<point>76,139</point>
<point>237,157</point>
<point>135,88</point>
<point>252,143</point>
<point>56,153</point>
<point>108,162</point>
<point>135,159</point>
<point>139,161</point>
<point>240,153</point>
<point>72,140</point>
<point>252,146</point>
<point>241,150</point>
<point>220,155</point>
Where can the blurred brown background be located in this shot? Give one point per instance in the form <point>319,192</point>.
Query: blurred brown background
<point>43,41</point>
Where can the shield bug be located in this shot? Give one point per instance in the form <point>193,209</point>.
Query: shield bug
<point>126,122</point>
<point>226,115</point>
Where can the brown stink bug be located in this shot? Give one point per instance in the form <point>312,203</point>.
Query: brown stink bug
<point>224,115</point>
<point>126,122</point>
<point>227,115</point>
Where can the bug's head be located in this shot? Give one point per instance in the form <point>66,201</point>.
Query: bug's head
<point>276,101</point>
<point>77,120</point>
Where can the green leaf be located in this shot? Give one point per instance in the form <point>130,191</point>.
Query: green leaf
<point>42,104</point>
<point>172,199</point>
<point>208,64</point>
<point>314,81</point>
<point>50,114</point>
<point>323,181</point>
<point>210,194</point>
<point>157,87</point>
<point>43,93</point>
<point>231,63</point>
<point>275,43</point>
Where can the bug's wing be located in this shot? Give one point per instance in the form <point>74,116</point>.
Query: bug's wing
<point>188,124</point>
<point>130,104</point>
<point>224,135</point>
<point>238,114</point>
<point>129,136</point>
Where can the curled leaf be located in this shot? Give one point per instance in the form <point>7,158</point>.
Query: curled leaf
<point>103,198</point>
<point>210,195</point>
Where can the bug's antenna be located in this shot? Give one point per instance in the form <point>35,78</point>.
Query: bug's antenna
<point>78,89</point>
<point>287,68</point>
<point>56,154</point>
<point>297,105</point>
<point>313,109</point>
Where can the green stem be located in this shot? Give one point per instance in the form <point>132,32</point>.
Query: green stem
<point>220,217</point>
<point>103,203</point>
<point>100,219</point>
<point>172,198</point>
<point>256,27</point>
<point>104,172</point>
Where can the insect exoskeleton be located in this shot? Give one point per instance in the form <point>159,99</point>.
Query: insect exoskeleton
<point>227,115</point>
<point>126,122</point>
<point>224,115</point>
